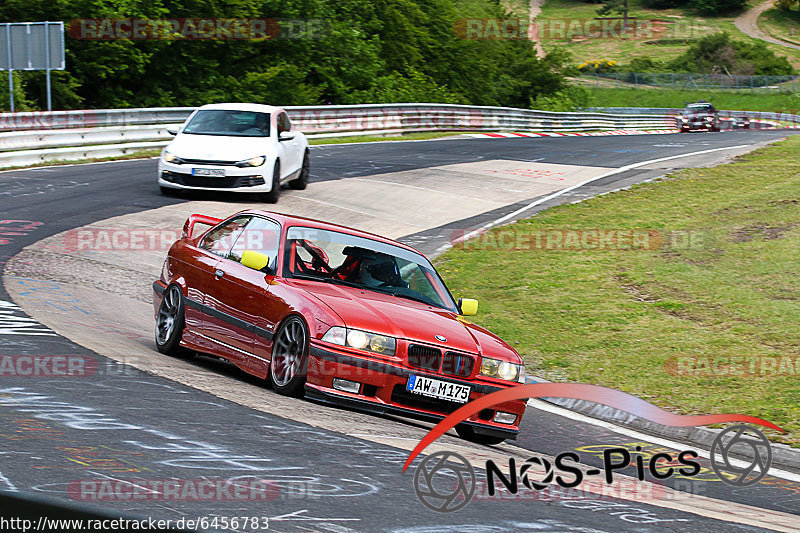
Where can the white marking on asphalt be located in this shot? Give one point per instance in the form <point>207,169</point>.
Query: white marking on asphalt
<point>301,515</point>
<point>131,483</point>
<point>579,417</point>
<point>556,194</point>
<point>7,482</point>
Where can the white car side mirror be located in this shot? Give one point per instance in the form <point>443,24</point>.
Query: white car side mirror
<point>286,135</point>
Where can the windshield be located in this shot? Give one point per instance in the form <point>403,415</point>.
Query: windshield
<point>229,122</point>
<point>343,259</point>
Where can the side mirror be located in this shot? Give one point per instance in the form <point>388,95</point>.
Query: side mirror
<point>286,135</point>
<point>172,131</point>
<point>468,306</point>
<point>255,260</point>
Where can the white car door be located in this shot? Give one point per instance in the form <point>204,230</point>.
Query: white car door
<point>293,149</point>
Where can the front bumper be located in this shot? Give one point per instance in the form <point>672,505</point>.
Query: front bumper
<point>237,179</point>
<point>382,390</point>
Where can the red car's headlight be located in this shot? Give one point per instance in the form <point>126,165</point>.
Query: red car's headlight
<point>361,340</point>
<point>495,368</point>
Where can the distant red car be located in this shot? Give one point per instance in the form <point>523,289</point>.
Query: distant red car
<point>337,314</point>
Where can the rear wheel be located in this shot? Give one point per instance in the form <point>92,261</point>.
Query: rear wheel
<point>170,322</point>
<point>468,433</point>
<point>302,180</point>
<point>272,196</point>
<point>289,364</point>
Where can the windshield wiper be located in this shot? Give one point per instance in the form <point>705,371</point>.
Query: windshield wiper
<point>417,299</point>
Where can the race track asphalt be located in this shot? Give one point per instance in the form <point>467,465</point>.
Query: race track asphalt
<point>126,424</point>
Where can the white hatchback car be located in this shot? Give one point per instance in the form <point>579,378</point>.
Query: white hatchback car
<point>235,147</point>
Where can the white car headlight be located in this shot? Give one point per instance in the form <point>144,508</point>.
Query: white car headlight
<point>252,162</point>
<point>169,157</point>
<point>361,340</point>
<point>501,369</point>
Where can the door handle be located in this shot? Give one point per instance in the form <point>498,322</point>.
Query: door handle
<point>218,273</point>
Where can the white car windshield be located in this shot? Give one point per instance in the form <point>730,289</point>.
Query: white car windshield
<point>343,259</point>
<point>228,122</point>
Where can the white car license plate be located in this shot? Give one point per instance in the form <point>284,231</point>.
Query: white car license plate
<point>435,388</point>
<point>214,172</point>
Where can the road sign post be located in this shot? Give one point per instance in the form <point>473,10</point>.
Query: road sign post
<point>31,46</point>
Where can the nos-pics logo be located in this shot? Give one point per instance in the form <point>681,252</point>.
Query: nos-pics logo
<point>445,481</point>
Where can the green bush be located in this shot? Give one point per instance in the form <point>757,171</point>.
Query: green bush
<point>718,54</point>
<point>572,98</point>
<point>717,7</point>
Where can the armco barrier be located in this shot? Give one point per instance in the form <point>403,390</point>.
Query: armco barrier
<point>671,111</point>
<point>35,137</point>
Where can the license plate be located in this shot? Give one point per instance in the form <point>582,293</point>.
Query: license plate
<point>215,172</point>
<point>435,388</point>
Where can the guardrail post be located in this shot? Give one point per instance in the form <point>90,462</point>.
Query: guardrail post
<point>10,72</point>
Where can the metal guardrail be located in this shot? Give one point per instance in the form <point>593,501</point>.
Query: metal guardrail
<point>37,137</point>
<point>672,111</point>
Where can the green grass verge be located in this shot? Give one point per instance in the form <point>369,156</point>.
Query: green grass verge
<point>779,23</point>
<point>620,318</point>
<point>384,138</point>
<point>142,154</point>
<point>778,102</point>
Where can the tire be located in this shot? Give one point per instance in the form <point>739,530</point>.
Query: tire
<point>170,322</point>
<point>302,180</point>
<point>289,364</point>
<point>272,196</point>
<point>468,433</point>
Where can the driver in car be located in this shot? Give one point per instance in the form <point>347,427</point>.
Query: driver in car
<point>380,271</point>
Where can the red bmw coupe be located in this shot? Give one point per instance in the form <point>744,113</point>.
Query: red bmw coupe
<point>340,315</point>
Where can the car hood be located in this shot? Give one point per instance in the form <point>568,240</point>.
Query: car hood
<point>218,147</point>
<point>407,319</point>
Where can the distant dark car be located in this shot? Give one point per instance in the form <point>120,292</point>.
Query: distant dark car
<point>699,116</point>
<point>741,122</point>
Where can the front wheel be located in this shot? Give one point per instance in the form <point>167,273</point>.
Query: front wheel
<point>170,322</point>
<point>302,180</point>
<point>289,364</point>
<point>468,433</point>
<point>272,196</point>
